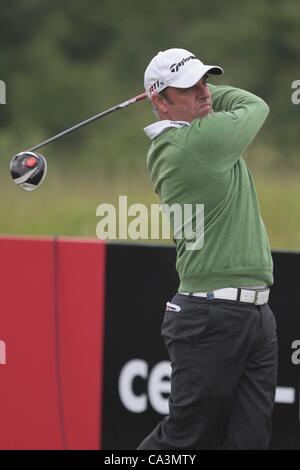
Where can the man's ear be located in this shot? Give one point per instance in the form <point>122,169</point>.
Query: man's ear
<point>160,103</point>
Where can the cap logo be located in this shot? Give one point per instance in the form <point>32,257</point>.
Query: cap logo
<point>155,86</point>
<point>175,67</point>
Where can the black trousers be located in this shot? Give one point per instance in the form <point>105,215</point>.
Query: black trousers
<point>224,367</point>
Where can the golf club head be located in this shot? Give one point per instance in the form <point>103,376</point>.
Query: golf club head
<point>28,170</point>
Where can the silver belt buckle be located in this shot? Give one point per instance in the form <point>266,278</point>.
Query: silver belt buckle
<point>264,294</point>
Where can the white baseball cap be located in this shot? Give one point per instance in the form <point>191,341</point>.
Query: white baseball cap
<point>177,68</point>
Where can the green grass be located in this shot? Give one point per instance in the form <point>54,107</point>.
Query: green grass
<point>279,200</point>
<point>65,205</point>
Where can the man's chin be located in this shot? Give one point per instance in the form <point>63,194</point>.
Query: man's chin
<point>205,110</point>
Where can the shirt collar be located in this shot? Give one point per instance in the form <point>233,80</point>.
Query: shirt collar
<point>158,127</point>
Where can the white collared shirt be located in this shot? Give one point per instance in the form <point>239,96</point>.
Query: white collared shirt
<point>153,130</point>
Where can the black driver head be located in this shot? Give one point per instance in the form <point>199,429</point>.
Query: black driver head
<point>28,170</point>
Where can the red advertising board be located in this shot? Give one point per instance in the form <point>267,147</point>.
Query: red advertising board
<point>51,320</point>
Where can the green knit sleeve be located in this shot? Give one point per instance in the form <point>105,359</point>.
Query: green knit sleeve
<point>221,138</point>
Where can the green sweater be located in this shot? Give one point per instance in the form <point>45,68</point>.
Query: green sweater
<point>202,163</point>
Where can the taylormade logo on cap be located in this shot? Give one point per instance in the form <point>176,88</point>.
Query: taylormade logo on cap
<point>177,68</point>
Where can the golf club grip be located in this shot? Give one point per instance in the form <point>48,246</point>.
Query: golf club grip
<point>89,120</point>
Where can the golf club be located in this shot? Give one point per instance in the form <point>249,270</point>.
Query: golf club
<point>28,169</point>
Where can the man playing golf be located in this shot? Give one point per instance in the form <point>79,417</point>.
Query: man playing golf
<point>218,329</point>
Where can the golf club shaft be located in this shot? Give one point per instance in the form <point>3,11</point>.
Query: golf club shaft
<point>91,119</point>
